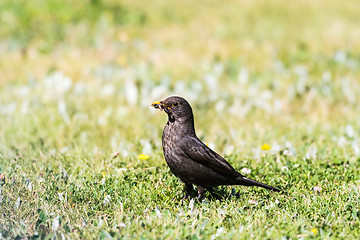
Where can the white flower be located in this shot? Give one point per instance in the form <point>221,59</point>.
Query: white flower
<point>275,148</point>
<point>317,189</point>
<point>64,150</point>
<point>102,182</point>
<point>131,92</point>
<point>326,76</point>
<point>278,105</point>
<point>284,168</point>
<point>218,68</point>
<point>102,121</point>
<point>79,88</point>
<point>257,152</point>
<point>28,184</point>
<point>57,84</point>
<point>350,132</point>
<point>108,90</point>
<point>291,150</point>
<point>220,106</point>
<point>63,111</point>
<point>340,56</point>
<point>55,223</point>
<point>311,153</point>
<point>25,106</point>
<point>191,204</point>
<point>301,71</point>
<point>101,222</point>
<point>107,199</point>
<point>252,201</point>
<point>342,141</point>
<point>8,109</point>
<point>61,197</point>
<point>121,170</point>
<point>147,148</point>
<point>158,213</point>
<point>355,147</point>
<point>245,171</point>
<point>23,91</point>
<point>243,76</point>
<point>348,90</point>
<point>218,233</point>
<point>122,225</point>
<point>17,203</point>
<point>211,81</point>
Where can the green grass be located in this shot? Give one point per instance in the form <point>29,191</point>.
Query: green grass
<point>76,84</point>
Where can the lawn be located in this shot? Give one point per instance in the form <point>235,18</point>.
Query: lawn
<point>80,145</point>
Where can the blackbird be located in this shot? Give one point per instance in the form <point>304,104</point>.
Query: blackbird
<point>189,158</point>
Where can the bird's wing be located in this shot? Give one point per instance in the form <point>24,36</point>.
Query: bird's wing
<point>199,152</point>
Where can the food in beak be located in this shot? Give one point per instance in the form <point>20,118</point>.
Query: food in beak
<point>158,105</point>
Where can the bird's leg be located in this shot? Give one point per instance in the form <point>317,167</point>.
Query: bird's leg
<point>201,192</point>
<point>188,189</point>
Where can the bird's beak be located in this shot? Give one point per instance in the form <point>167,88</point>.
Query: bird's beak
<point>159,104</point>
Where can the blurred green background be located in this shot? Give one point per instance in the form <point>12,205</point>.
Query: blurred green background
<point>77,79</point>
<point>239,63</point>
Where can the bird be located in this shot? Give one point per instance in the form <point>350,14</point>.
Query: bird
<point>189,158</point>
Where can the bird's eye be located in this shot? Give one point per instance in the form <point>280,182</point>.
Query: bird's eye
<point>175,104</point>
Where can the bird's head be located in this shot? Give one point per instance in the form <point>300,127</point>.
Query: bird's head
<point>177,108</point>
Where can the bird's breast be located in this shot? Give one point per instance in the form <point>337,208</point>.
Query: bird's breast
<point>169,139</point>
<point>172,152</point>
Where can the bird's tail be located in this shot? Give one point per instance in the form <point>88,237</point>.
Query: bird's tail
<point>249,182</point>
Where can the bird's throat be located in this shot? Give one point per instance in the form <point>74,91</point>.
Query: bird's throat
<point>171,118</point>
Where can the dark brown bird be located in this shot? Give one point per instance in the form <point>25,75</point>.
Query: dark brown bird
<point>189,158</point>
